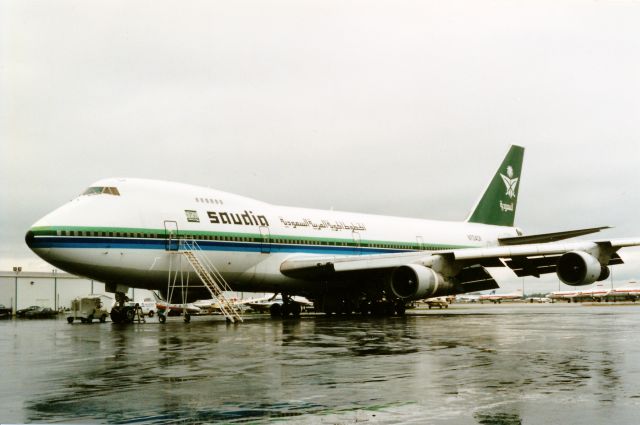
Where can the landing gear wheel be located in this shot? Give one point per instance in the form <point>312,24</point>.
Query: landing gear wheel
<point>162,318</point>
<point>295,310</point>
<point>119,313</point>
<point>116,315</point>
<point>129,315</point>
<point>187,318</point>
<point>70,320</point>
<point>150,313</point>
<point>275,310</point>
<point>90,319</point>
<point>103,318</point>
<point>401,309</point>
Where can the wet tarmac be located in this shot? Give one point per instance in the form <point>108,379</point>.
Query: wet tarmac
<point>508,364</point>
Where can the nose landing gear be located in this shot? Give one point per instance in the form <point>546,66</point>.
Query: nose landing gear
<point>122,313</point>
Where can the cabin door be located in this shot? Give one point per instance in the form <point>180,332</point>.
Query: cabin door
<point>171,235</point>
<point>265,246</point>
<point>356,243</point>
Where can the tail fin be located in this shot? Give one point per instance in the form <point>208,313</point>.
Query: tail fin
<point>498,203</point>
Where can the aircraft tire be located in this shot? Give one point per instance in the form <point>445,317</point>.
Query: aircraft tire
<point>187,318</point>
<point>70,320</point>
<point>129,315</point>
<point>275,310</point>
<point>151,313</point>
<point>295,310</point>
<point>401,309</point>
<point>103,318</point>
<point>116,315</point>
<point>162,318</point>
<point>285,311</point>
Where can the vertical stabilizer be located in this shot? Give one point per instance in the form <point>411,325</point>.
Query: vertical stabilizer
<point>498,203</point>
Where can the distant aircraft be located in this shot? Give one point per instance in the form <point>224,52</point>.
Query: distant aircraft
<point>538,299</point>
<point>126,232</point>
<point>630,292</point>
<point>467,298</point>
<point>498,298</point>
<point>595,294</point>
<point>168,309</point>
<point>274,305</point>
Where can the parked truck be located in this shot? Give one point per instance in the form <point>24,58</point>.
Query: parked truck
<point>89,308</point>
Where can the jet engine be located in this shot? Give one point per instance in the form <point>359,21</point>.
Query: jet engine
<point>415,282</point>
<point>577,268</point>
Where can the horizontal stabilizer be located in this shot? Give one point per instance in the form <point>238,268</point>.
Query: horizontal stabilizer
<point>549,237</point>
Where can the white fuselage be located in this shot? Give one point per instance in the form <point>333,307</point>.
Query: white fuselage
<point>127,235</point>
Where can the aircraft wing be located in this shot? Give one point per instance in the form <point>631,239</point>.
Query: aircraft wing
<point>466,265</point>
<point>473,276</point>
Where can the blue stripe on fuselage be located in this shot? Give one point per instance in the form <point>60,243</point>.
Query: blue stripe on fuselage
<point>232,246</point>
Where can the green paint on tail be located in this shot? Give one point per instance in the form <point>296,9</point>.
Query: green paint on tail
<point>498,203</point>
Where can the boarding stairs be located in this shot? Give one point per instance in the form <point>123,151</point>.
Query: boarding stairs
<point>211,278</point>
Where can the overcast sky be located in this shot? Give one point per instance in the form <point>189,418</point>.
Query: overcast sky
<point>392,107</point>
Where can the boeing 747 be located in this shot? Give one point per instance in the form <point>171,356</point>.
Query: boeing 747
<point>125,232</point>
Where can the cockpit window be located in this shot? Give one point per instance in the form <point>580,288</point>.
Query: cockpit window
<point>111,191</point>
<point>101,190</point>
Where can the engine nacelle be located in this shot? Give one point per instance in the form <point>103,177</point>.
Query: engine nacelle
<point>577,268</point>
<point>415,282</point>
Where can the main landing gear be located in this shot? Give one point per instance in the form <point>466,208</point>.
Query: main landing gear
<point>364,307</point>
<point>122,313</point>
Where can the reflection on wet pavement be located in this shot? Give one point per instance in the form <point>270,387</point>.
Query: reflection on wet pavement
<point>474,365</point>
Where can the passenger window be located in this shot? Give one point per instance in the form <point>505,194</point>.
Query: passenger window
<point>93,191</point>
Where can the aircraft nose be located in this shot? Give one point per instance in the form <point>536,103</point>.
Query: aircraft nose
<point>29,238</point>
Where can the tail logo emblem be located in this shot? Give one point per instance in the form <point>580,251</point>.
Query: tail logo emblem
<point>510,182</point>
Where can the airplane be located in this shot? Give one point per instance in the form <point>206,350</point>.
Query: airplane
<point>271,303</point>
<point>538,299</point>
<point>594,294</point>
<point>274,303</point>
<point>630,291</point>
<point>467,298</point>
<point>125,232</point>
<point>163,307</point>
<point>167,309</point>
<point>498,298</point>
